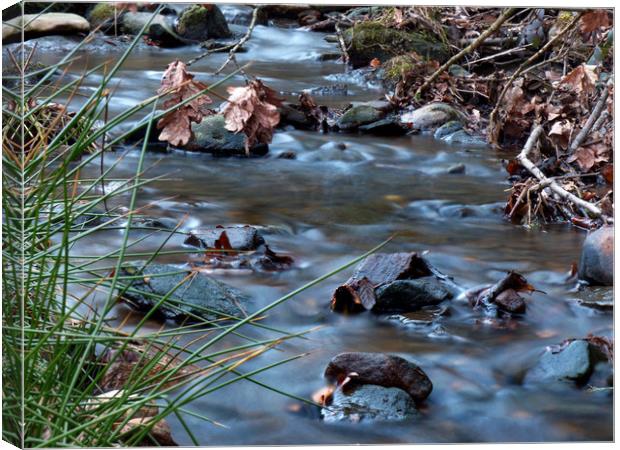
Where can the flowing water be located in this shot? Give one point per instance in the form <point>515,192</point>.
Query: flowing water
<point>325,213</point>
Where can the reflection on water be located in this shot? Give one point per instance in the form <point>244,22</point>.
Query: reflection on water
<point>324,213</point>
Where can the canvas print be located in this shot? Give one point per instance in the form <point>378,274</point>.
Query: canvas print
<point>303,224</point>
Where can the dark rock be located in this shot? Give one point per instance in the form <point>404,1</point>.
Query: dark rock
<point>596,265</point>
<point>571,363</point>
<point>160,29</point>
<point>194,295</point>
<point>211,136</point>
<point>432,116</point>
<point>239,238</point>
<point>381,369</point>
<point>199,23</point>
<point>447,129</point>
<point>368,40</point>
<point>390,126</point>
<point>410,295</point>
<point>287,155</point>
<point>370,402</point>
<point>359,115</point>
<point>456,169</point>
<point>290,114</point>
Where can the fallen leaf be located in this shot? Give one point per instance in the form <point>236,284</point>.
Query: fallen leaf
<point>582,79</point>
<point>375,63</point>
<point>594,20</point>
<point>561,132</point>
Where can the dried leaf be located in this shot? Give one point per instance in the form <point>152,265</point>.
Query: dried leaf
<point>582,79</point>
<point>375,63</point>
<point>561,132</point>
<point>176,126</point>
<point>594,20</point>
<point>252,109</point>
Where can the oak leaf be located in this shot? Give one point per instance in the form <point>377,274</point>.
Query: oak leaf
<point>252,109</point>
<point>176,126</point>
<point>582,79</point>
<point>594,21</point>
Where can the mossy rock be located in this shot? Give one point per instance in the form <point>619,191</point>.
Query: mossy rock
<point>101,13</point>
<point>398,65</point>
<point>198,23</point>
<point>370,40</point>
<point>359,115</point>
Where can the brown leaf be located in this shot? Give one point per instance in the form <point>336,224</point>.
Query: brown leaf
<point>561,132</point>
<point>252,109</point>
<point>375,62</point>
<point>176,126</point>
<point>582,79</point>
<point>594,20</point>
<point>608,173</point>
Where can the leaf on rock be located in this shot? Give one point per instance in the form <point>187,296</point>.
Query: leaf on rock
<point>252,109</point>
<point>176,126</point>
<point>503,295</point>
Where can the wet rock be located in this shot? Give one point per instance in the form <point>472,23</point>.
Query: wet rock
<point>211,136</point>
<point>596,265</point>
<point>457,71</point>
<point>370,402</point>
<point>462,137</point>
<point>599,298</point>
<point>380,369</point>
<point>410,295</point>
<point>432,116</point>
<point>162,223</point>
<point>333,151</point>
<point>447,129</point>
<point>339,89</point>
<point>456,169</point>
<point>194,295</point>
<point>390,126</point>
<point>571,363</point>
<point>359,115</point>
<point>238,238</point>
<point>368,40</point>
<point>43,25</point>
<point>503,296</point>
<point>160,30</point>
<point>199,23</point>
<point>291,114</point>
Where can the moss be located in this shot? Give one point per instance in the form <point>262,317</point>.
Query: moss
<point>199,23</point>
<point>399,65</point>
<point>100,13</point>
<point>370,40</point>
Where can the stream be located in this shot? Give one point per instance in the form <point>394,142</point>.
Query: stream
<point>325,213</point>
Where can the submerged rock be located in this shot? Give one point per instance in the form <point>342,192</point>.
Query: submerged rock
<point>333,151</point>
<point>359,115</point>
<point>447,129</point>
<point>368,40</point>
<point>456,169</point>
<point>237,238</point>
<point>211,136</point>
<point>431,116</point>
<point>370,402</point>
<point>410,295</point>
<point>380,369</point>
<point>199,23</point>
<point>596,265</point>
<point>191,296</point>
<point>43,25</point>
<point>464,138</point>
<point>571,363</point>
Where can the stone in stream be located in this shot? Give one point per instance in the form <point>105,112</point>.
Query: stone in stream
<point>456,169</point>
<point>161,27</point>
<point>432,116</point>
<point>389,126</point>
<point>195,296</point>
<point>370,402</point>
<point>447,129</point>
<point>368,40</point>
<point>239,238</point>
<point>596,265</point>
<point>43,25</point>
<point>359,115</point>
<point>211,136</point>
<point>380,369</point>
<point>572,363</point>
<point>333,151</point>
<point>462,137</point>
<point>410,295</point>
<point>201,22</point>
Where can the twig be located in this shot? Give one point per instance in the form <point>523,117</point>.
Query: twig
<point>596,112</point>
<point>471,47</point>
<point>548,182</point>
<point>497,55</point>
<point>242,41</point>
<point>343,46</point>
<point>493,131</point>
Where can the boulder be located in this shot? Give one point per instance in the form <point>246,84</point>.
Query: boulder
<point>410,295</point>
<point>211,136</point>
<point>239,238</point>
<point>199,23</point>
<point>370,402</point>
<point>572,363</point>
<point>160,29</point>
<point>359,115</point>
<point>432,116</point>
<point>447,129</point>
<point>43,25</point>
<point>389,126</point>
<point>194,296</point>
<point>381,369</point>
<point>596,265</point>
<point>368,40</point>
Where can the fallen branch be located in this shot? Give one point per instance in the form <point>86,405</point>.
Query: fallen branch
<point>242,41</point>
<point>596,112</point>
<point>493,130</point>
<point>546,182</point>
<point>471,47</point>
<point>343,46</point>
